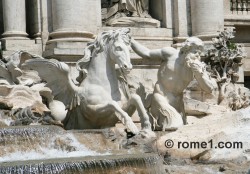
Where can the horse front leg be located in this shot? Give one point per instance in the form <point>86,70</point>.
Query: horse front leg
<point>136,101</point>
<point>122,115</point>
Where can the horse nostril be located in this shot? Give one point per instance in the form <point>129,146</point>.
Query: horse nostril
<point>125,66</point>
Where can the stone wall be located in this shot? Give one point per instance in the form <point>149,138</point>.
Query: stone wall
<point>241,21</point>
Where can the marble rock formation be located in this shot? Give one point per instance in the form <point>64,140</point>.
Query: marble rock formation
<point>225,137</point>
<point>22,105</point>
<point>21,98</point>
<point>223,62</point>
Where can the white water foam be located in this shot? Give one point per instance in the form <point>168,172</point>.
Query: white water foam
<point>51,152</point>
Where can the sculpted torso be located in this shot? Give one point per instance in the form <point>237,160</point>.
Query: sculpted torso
<point>177,70</point>
<point>174,75</point>
<point>173,78</point>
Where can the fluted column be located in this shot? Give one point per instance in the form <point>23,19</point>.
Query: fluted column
<point>14,19</point>
<point>75,18</point>
<point>207,17</point>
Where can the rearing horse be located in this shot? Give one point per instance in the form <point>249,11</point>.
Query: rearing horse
<point>102,98</point>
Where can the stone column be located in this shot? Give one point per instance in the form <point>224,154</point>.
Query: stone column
<point>14,19</point>
<point>74,23</point>
<point>207,18</point>
<point>75,18</point>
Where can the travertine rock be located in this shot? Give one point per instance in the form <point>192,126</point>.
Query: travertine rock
<point>228,128</point>
<point>21,97</point>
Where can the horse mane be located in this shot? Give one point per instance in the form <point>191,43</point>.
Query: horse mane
<point>98,44</point>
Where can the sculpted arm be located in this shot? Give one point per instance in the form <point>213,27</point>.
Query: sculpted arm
<point>206,83</point>
<point>144,52</point>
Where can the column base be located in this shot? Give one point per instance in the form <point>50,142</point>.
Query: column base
<point>66,50</point>
<point>73,35</point>
<point>67,44</point>
<point>15,35</point>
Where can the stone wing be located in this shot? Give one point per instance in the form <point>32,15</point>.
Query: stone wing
<point>58,79</point>
<point>5,74</point>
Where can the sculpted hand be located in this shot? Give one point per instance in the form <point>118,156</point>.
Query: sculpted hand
<point>197,66</point>
<point>202,76</point>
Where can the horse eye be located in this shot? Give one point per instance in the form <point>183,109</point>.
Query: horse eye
<point>118,48</point>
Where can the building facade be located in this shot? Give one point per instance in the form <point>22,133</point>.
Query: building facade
<point>61,28</point>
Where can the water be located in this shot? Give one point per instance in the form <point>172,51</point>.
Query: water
<point>122,164</point>
<point>39,142</point>
<point>52,150</point>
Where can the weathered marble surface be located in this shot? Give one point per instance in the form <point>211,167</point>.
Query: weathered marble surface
<point>224,60</point>
<point>231,127</point>
<point>128,13</point>
<point>207,18</point>
<point>22,105</point>
<point>177,70</point>
<point>134,22</point>
<point>102,97</point>
<point>14,28</point>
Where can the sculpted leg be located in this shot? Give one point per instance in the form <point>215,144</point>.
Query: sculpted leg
<point>122,115</point>
<point>166,116</point>
<point>136,100</point>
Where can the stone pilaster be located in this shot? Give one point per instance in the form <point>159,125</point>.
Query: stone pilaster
<point>74,23</point>
<point>207,18</point>
<point>14,19</point>
<point>182,24</point>
<point>180,20</point>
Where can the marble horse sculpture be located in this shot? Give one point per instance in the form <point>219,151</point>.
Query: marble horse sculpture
<point>102,97</point>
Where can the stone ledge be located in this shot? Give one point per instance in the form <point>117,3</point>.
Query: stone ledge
<point>147,33</point>
<point>134,22</point>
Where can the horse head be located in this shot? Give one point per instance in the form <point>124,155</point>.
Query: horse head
<point>119,49</point>
<point>115,44</point>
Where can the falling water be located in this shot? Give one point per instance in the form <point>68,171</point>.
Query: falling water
<point>52,150</point>
<point>122,164</point>
<point>36,142</point>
